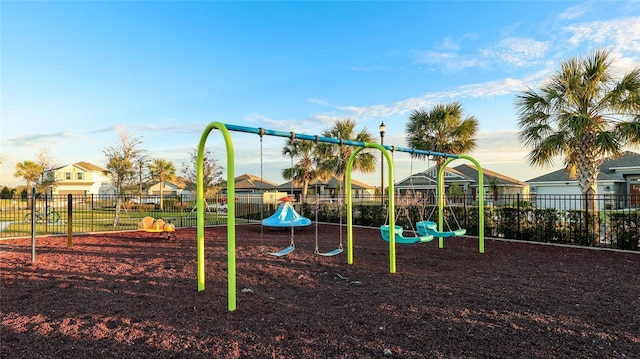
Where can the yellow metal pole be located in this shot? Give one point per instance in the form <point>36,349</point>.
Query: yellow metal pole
<point>231,213</point>
<point>480,200</point>
<point>392,239</point>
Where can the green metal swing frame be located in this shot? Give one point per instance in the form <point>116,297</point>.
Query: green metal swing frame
<point>231,222</point>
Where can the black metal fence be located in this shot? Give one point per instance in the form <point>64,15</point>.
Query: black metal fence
<point>540,218</point>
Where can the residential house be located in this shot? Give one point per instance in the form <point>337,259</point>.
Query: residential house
<point>249,187</point>
<point>464,181</point>
<point>175,187</point>
<point>619,179</point>
<point>248,183</point>
<point>80,178</point>
<point>329,188</point>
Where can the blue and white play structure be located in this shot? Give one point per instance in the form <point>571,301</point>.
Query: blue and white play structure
<point>286,217</point>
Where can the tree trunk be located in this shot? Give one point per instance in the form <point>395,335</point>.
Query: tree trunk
<point>344,185</point>
<point>305,190</point>
<point>116,217</point>
<point>588,170</point>
<point>161,196</point>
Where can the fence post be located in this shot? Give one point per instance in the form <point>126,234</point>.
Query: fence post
<point>92,210</point>
<point>69,220</point>
<point>33,225</point>
<point>181,210</point>
<point>519,235</point>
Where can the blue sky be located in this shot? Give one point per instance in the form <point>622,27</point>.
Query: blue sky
<point>75,73</point>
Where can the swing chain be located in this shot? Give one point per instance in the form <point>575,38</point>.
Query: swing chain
<point>261,132</point>
<point>292,244</point>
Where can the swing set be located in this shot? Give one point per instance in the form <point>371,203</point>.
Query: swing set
<point>424,230</point>
<point>384,149</point>
<point>293,219</point>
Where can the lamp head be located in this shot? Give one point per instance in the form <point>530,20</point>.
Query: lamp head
<point>382,128</point>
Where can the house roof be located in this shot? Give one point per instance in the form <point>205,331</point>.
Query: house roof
<point>607,169</point>
<point>177,182</point>
<point>89,166</point>
<point>461,173</point>
<point>84,165</point>
<point>429,177</point>
<point>331,183</point>
<point>470,171</point>
<point>249,181</point>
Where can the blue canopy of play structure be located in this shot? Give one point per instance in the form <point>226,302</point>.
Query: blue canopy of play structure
<point>286,216</point>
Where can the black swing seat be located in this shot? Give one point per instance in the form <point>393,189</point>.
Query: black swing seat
<point>330,254</point>
<point>431,228</point>
<point>400,239</point>
<point>283,252</point>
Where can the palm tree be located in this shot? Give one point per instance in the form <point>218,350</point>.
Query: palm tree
<point>334,159</point>
<point>304,171</point>
<point>582,114</point>
<point>494,184</point>
<point>30,171</point>
<point>162,170</point>
<point>442,129</point>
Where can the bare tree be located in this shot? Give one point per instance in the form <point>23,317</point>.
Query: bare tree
<point>121,166</point>
<point>212,172</point>
<point>45,160</point>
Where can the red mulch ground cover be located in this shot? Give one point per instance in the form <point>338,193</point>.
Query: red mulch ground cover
<point>134,295</point>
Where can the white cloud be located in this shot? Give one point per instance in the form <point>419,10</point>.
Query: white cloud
<point>450,60</point>
<point>517,51</point>
<point>481,90</point>
<point>371,68</point>
<point>450,44</point>
<point>621,34</point>
<point>491,88</point>
<point>575,12</point>
<point>289,125</point>
<point>499,146</point>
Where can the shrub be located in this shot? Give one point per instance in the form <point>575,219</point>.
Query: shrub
<point>625,229</point>
<point>581,227</point>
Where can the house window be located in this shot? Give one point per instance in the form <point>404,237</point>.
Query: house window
<point>80,176</point>
<point>67,176</point>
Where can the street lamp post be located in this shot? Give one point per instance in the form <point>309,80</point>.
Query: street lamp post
<point>382,129</point>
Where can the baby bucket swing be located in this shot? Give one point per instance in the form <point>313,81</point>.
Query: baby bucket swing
<point>400,238</point>
<point>431,227</point>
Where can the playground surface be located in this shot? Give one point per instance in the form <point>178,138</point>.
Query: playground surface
<point>134,295</point>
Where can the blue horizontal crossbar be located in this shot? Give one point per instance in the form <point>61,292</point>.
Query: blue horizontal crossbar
<point>300,136</point>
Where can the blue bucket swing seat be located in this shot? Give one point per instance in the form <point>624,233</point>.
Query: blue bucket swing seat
<point>431,228</point>
<point>401,239</point>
